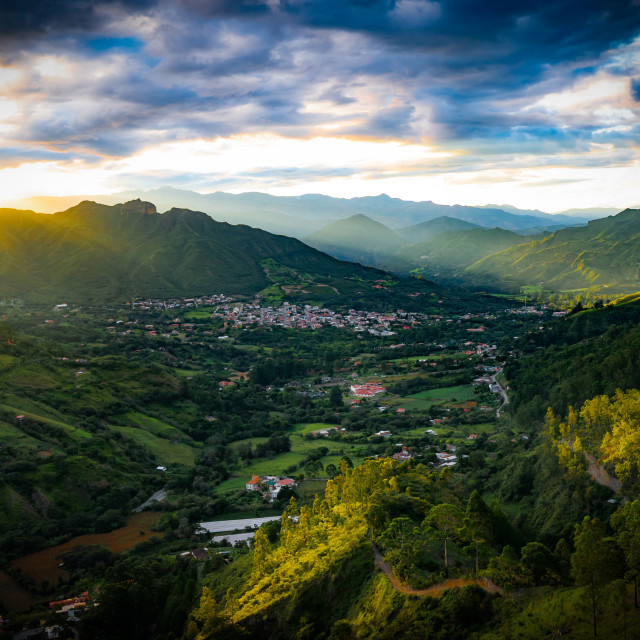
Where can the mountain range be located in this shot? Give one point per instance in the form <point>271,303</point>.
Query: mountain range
<point>605,252</point>
<point>99,252</point>
<point>301,216</point>
<point>96,252</point>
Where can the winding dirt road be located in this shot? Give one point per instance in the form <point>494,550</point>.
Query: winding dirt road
<point>435,590</point>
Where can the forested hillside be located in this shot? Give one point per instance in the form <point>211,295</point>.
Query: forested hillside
<point>429,508</point>
<point>95,252</point>
<point>605,252</point>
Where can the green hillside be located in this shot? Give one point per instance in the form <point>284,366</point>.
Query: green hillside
<point>95,252</point>
<point>358,239</point>
<point>426,230</point>
<point>606,252</point>
<point>450,252</point>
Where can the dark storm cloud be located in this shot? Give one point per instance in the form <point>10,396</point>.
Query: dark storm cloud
<point>19,18</point>
<point>408,69</point>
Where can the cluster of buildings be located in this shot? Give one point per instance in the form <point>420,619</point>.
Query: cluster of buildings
<point>368,390</point>
<point>240,315</point>
<point>313,317</point>
<point>179,303</point>
<point>269,486</point>
<point>71,606</point>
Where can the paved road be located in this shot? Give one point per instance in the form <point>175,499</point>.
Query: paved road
<point>503,393</point>
<point>156,497</point>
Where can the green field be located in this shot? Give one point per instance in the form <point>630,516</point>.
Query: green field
<point>18,439</point>
<point>7,361</point>
<point>164,451</point>
<point>424,400</point>
<point>276,465</point>
<point>154,426</point>
<point>460,393</point>
<point>309,427</point>
<point>204,313</point>
<point>74,432</point>
<point>433,357</point>
<point>32,406</point>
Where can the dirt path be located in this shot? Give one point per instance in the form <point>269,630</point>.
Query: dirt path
<point>599,474</point>
<point>597,471</point>
<point>434,590</point>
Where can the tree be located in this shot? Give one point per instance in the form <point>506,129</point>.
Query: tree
<point>595,562</point>
<point>626,522</point>
<point>313,468</point>
<point>261,549</point>
<point>539,563</point>
<point>478,524</point>
<point>335,397</point>
<point>446,520</point>
<point>331,470</point>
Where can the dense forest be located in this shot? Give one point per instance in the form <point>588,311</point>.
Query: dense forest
<point>532,531</point>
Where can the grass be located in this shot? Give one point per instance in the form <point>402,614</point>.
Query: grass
<point>433,357</point>
<point>309,488</point>
<point>460,393</point>
<point>274,466</point>
<point>7,361</point>
<point>253,348</point>
<point>17,437</point>
<point>252,441</point>
<point>33,406</point>
<point>165,452</point>
<point>185,373</point>
<point>154,426</point>
<point>234,483</point>
<point>424,400</point>
<point>203,313</point>
<point>73,432</point>
<point>281,461</point>
<point>309,427</point>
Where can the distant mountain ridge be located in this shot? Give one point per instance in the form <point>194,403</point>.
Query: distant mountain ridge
<point>605,252</point>
<point>301,216</point>
<point>425,230</point>
<point>357,238</point>
<point>99,252</point>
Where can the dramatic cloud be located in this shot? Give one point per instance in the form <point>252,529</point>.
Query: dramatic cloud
<point>491,84</point>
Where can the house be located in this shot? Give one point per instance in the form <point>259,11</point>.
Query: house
<point>384,434</point>
<point>269,486</point>
<point>403,455</point>
<point>446,459</point>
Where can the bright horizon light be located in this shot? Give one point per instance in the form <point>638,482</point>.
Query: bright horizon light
<point>325,166</point>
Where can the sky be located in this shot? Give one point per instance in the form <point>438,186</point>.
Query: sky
<point>530,103</point>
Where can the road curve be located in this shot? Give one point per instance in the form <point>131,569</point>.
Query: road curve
<point>435,590</point>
